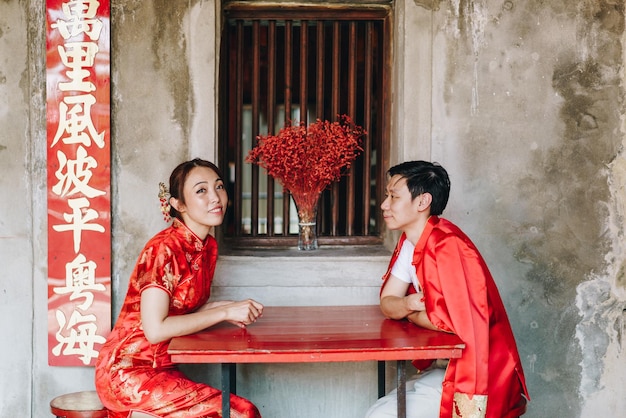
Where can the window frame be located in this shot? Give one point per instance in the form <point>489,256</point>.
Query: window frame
<point>311,12</point>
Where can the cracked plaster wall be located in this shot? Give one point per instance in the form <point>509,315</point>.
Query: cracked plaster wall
<point>528,115</point>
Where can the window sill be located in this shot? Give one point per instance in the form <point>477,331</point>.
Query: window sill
<point>324,251</point>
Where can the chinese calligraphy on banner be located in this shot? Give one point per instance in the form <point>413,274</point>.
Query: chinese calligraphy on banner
<point>79,179</point>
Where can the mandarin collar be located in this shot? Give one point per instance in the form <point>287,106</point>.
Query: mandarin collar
<point>421,244</point>
<point>189,236</point>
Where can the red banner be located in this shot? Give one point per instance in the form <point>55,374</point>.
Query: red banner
<point>79,179</point>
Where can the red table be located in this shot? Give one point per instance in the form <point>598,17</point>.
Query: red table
<point>305,334</point>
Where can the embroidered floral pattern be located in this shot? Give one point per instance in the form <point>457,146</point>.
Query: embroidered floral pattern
<point>469,406</point>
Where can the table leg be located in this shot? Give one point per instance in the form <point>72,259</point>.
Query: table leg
<point>229,385</point>
<point>381,379</point>
<point>401,389</point>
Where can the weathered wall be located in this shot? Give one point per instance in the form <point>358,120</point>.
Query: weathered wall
<point>529,103</point>
<point>16,215</point>
<point>522,101</point>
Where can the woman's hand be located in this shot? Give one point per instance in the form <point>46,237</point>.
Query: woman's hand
<point>244,312</point>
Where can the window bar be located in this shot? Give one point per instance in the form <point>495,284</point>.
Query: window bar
<point>238,131</point>
<point>350,204</point>
<point>336,82</point>
<point>304,54</point>
<point>319,101</point>
<point>288,76</point>
<point>367,125</point>
<point>254,198</point>
<point>319,96</point>
<point>271,103</point>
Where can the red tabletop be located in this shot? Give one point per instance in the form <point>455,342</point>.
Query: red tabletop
<point>315,334</point>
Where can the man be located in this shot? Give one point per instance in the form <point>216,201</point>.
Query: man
<point>438,280</point>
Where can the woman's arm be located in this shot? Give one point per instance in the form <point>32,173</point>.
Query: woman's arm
<point>158,326</point>
<point>214,304</point>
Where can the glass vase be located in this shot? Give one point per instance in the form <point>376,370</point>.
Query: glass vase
<point>307,223</point>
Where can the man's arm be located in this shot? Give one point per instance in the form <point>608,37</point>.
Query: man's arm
<point>421,318</point>
<point>396,304</point>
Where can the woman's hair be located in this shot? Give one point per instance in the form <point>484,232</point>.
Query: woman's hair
<point>178,177</point>
<point>425,177</point>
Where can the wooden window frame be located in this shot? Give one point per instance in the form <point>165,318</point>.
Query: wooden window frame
<point>230,131</point>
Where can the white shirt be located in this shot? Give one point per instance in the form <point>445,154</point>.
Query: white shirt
<point>402,268</point>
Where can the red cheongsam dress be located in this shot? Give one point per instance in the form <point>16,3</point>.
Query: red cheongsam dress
<point>134,375</point>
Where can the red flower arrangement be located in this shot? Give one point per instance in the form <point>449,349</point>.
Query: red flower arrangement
<point>306,159</point>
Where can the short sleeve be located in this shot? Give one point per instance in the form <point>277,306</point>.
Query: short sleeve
<point>158,267</point>
<point>403,268</point>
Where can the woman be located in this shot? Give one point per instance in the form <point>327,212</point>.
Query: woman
<point>168,296</point>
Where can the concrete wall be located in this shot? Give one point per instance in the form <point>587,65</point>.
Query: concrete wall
<point>522,101</point>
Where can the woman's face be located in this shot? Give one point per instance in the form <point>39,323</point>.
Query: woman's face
<point>205,201</point>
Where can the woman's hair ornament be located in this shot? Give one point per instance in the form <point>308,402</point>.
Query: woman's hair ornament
<point>164,198</point>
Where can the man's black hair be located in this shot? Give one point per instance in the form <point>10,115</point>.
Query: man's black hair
<point>425,177</point>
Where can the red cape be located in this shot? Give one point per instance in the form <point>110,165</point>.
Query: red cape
<point>461,297</point>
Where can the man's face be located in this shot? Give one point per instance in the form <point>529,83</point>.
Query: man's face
<point>400,211</point>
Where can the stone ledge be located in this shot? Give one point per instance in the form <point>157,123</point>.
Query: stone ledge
<point>327,276</point>
<point>323,251</point>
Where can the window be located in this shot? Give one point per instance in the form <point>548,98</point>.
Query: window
<point>299,64</point>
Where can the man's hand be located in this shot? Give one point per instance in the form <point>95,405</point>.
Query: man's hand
<point>421,319</point>
<point>396,304</point>
<point>415,302</point>
<point>393,302</point>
